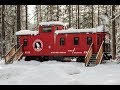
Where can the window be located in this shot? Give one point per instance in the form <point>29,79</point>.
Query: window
<point>25,42</point>
<point>76,40</point>
<point>89,40</point>
<point>62,41</point>
<point>47,29</point>
<point>57,28</point>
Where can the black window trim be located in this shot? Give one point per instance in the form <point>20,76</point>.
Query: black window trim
<point>77,41</point>
<point>89,41</point>
<point>62,42</point>
<point>25,42</point>
<point>46,31</point>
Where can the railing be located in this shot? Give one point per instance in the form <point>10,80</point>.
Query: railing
<point>17,55</point>
<point>89,54</point>
<point>10,53</point>
<point>100,54</point>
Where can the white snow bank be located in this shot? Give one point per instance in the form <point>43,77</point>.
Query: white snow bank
<point>52,23</point>
<point>27,32</point>
<point>91,30</point>
<point>58,73</point>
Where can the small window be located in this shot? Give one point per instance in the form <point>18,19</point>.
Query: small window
<point>89,40</point>
<point>47,29</point>
<point>62,41</point>
<point>76,40</point>
<point>25,42</point>
<point>57,28</point>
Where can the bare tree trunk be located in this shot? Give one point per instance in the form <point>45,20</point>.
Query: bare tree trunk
<point>26,18</point>
<point>18,22</point>
<point>3,30</point>
<point>106,9</point>
<point>98,16</point>
<point>69,11</point>
<point>72,16</point>
<point>78,17</point>
<point>40,18</point>
<point>57,12</point>
<point>113,34</point>
<point>92,16</point>
<point>47,12</point>
<point>18,18</point>
<point>37,14</point>
<point>51,12</point>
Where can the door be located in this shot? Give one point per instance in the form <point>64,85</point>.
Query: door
<point>99,41</point>
<point>25,46</point>
<point>89,41</point>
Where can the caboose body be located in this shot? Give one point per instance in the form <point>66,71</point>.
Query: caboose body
<point>53,41</point>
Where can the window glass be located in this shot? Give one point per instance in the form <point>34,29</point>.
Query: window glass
<point>25,42</point>
<point>47,29</point>
<point>57,28</point>
<point>62,41</point>
<point>76,40</point>
<point>89,40</point>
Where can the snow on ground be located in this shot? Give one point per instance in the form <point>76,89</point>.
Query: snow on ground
<point>58,73</point>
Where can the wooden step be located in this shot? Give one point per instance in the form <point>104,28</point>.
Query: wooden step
<point>16,56</point>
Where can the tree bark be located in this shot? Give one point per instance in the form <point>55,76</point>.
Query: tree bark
<point>18,23</point>
<point>51,12</point>
<point>98,16</point>
<point>92,16</point>
<point>18,18</point>
<point>57,12</point>
<point>113,34</point>
<point>3,30</point>
<point>40,18</point>
<point>78,17</point>
<point>37,14</point>
<point>69,10</point>
<point>26,17</point>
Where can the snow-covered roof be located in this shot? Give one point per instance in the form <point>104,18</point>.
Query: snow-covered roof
<point>52,23</point>
<point>27,32</point>
<point>71,30</point>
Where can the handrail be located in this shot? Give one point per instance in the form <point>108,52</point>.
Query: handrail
<point>16,55</point>
<point>88,55</point>
<point>10,53</point>
<point>100,54</point>
<point>10,50</point>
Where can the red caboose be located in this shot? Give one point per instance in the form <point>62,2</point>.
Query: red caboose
<point>53,41</point>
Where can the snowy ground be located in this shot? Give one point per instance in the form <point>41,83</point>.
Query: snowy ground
<point>58,73</point>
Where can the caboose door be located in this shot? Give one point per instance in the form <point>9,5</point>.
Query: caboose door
<point>99,42</point>
<point>89,41</point>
